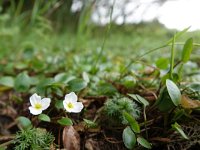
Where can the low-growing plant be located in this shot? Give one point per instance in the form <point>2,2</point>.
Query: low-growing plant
<point>34,138</point>
<point>125,111</point>
<point>115,107</point>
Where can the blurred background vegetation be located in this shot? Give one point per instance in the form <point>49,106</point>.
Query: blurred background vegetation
<point>44,32</point>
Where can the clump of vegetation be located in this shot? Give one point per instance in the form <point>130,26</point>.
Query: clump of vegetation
<point>50,58</point>
<point>115,107</point>
<point>33,139</point>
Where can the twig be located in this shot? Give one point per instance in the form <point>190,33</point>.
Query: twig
<point>6,143</point>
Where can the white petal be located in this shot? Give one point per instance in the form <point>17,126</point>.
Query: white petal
<point>35,111</point>
<point>69,109</point>
<point>45,103</point>
<point>77,107</point>
<point>72,97</point>
<point>65,103</point>
<point>35,99</point>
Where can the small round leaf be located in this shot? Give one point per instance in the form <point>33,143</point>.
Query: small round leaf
<point>44,117</point>
<point>174,92</point>
<point>144,142</point>
<point>129,138</point>
<point>65,122</point>
<point>77,84</point>
<point>7,81</point>
<point>24,122</point>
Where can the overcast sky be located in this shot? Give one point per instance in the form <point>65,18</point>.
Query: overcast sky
<point>174,14</point>
<point>181,14</point>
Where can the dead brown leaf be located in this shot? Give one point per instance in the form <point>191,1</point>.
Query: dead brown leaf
<point>71,138</point>
<point>160,139</point>
<point>91,145</point>
<point>188,103</point>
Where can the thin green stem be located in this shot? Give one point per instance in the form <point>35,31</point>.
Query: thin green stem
<point>19,8</point>
<point>137,58</point>
<point>145,122</point>
<point>172,59</point>
<point>165,120</point>
<point>168,43</point>
<point>105,37</point>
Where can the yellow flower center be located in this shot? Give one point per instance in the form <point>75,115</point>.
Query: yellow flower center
<point>38,106</point>
<point>70,105</point>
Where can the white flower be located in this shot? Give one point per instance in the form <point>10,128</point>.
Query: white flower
<point>38,104</point>
<point>70,103</point>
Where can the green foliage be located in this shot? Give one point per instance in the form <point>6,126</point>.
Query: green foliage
<point>40,52</point>
<point>174,92</point>
<point>132,122</point>
<point>32,139</point>
<point>89,123</point>
<point>107,89</point>
<point>193,90</point>
<point>178,128</point>
<point>178,114</point>
<point>162,63</point>
<point>172,58</point>
<point>22,82</point>
<point>77,84</point>
<point>115,107</point>
<point>144,142</point>
<point>59,104</point>
<point>65,121</point>
<point>24,122</point>
<point>7,81</point>
<point>169,97</point>
<point>187,49</point>
<point>139,99</point>
<point>129,138</point>
<point>164,102</point>
<point>44,117</point>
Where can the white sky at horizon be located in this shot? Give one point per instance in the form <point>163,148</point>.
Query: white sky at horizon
<point>174,14</point>
<point>180,14</point>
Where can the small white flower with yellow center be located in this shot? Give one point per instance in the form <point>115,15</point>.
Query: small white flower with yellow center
<point>38,104</point>
<point>70,103</point>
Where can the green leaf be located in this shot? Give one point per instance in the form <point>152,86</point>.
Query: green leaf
<point>194,87</point>
<point>139,99</point>
<point>133,123</point>
<point>65,122</point>
<point>106,89</point>
<point>77,84</point>
<point>129,138</point>
<point>164,102</point>
<point>44,117</point>
<point>59,104</point>
<point>63,78</point>
<point>174,92</point>
<point>162,63</point>
<point>7,81</point>
<point>178,34</point>
<point>90,124</point>
<point>85,77</point>
<point>178,114</point>
<point>144,142</point>
<point>178,128</point>
<point>187,49</point>
<point>41,88</point>
<point>21,65</point>
<point>24,122</point>
<point>38,65</point>
<point>22,82</point>
<point>129,81</point>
